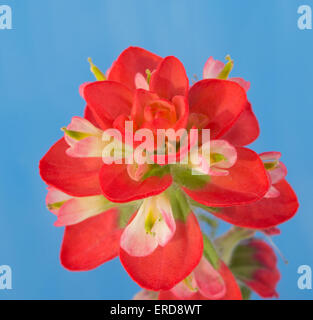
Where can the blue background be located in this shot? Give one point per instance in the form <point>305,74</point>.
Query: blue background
<point>42,63</point>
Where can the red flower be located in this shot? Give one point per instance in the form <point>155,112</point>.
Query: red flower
<point>206,284</point>
<point>157,250</point>
<point>278,205</point>
<point>158,239</point>
<point>255,264</point>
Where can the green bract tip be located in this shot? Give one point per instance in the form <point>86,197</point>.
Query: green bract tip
<point>99,75</point>
<point>227,68</point>
<point>76,135</point>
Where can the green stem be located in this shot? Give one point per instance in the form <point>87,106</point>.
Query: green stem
<point>226,243</point>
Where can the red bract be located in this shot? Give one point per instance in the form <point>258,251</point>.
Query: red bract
<point>90,243</point>
<point>168,265</point>
<point>141,211</point>
<point>277,206</point>
<point>255,264</point>
<point>231,291</point>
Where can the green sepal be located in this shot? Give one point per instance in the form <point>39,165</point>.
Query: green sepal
<point>179,203</point>
<point>227,69</point>
<point>204,207</point>
<point>245,292</point>
<point>243,264</point>
<point>210,252</point>
<point>76,135</point>
<point>156,170</point>
<point>227,242</point>
<point>126,211</point>
<point>183,176</point>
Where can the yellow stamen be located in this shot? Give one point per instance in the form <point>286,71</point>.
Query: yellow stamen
<point>150,221</point>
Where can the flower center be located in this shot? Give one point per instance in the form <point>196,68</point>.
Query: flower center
<point>160,114</point>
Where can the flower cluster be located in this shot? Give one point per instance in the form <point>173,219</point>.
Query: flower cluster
<point>144,212</point>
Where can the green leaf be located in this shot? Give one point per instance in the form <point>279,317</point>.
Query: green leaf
<point>210,253</point>
<point>156,170</point>
<point>246,293</point>
<point>179,203</point>
<point>183,176</point>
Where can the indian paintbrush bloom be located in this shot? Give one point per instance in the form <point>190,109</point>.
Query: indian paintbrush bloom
<point>254,264</point>
<point>144,212</point>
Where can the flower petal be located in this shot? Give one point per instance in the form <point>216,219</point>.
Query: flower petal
<point>223,148</point>
<point>79,209</point>
<point>141,81</point>
<point>90,243</point>
<point>278,173</point>
<point>75,176</point>
<point>212,68</point>
<point>84,139</point>
<point>107,100</point>
<point>91,118</point>
<point>146,295</point>
<point>117,185</point>
<point>130,62</point>
<point>55,196</point>
<point>254,263</point>
<point>182,111</point>
<point>186,288</point>
<point>247,181</point>
<point>265,213</point>
<point>209,282</point>
<point>232,289</point>
<point>242,82</point>
<point>168,265</point>
<point>89,147</point>
<point>83,125</point>
<point>135,240</point>
<point>153,225</point>
<point>270,155</point>
<point>245,129</point>
<point>170,79</point>
<point>221,101</point>
<point>272,193</point>
<point>142,98</point>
